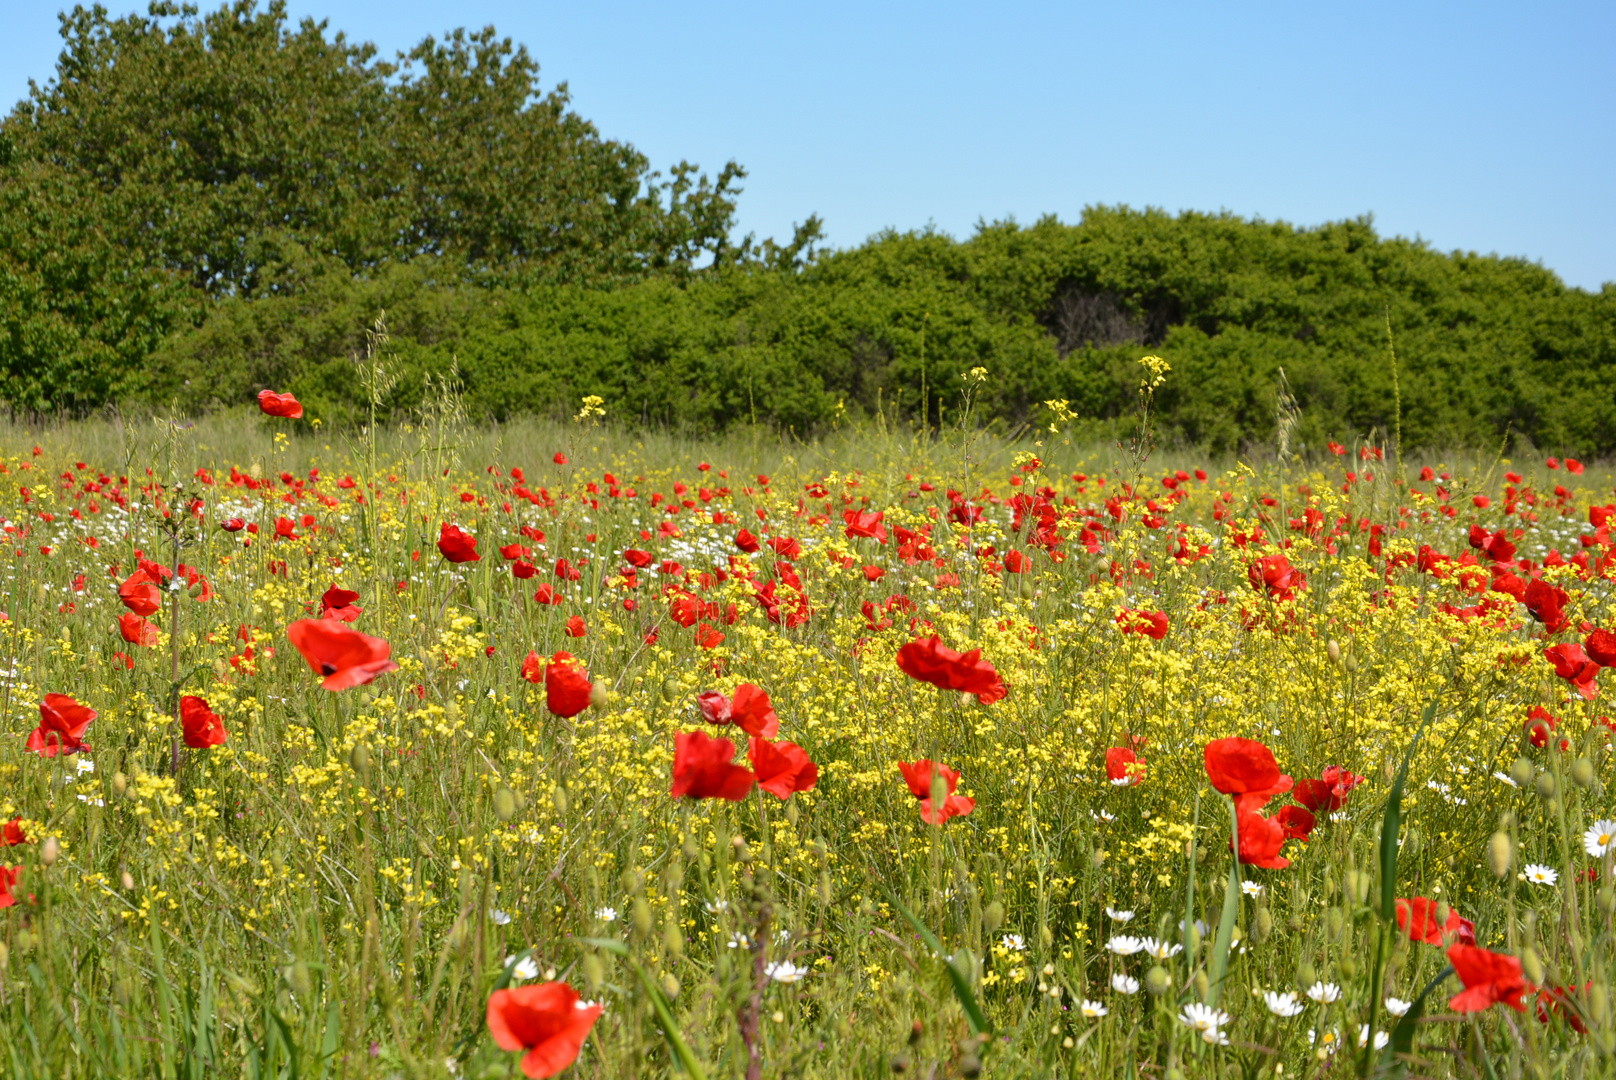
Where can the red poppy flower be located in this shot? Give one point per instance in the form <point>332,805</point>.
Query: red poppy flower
<point>457,545</point>
<point>874,573</point>
<point>1296,822</point>
<point>1326,794</point>
<point>338,604</point>
<point>1562,1001</point>
<point>746,541</point>
<point>637,558</point>
<point>576,627</point>
<point>1152,624</point>
<point>547,1020</point>
<point>1540,724</point>
<point>62,724</point>
<point>1574,666</point>
<point>864,524</point>
<point>781,768</point>
<point>140,593</point>
<point>232,525</point>
<point>703,769</point>
<point>9,876</point>
<point>930,661</point>
<point>1260,840</point>
<point>136,630</point>
<point>752,712</point>
<point>547,595</point>
<point>1547,604</point>
<point>560,458</point>
<point>566,683</point>
<point>918,775</point>
<point>1601,648</point>
<point>283,405</point>
<point>342,654</point>
<point>1123,767</point>
<point>201,725</point>
<point>1275,577</point>
<point>1489,978</point>
<point>1417,919</point>
<point>11,833</point>
<point>715,707</point>
<point>1245,769</point>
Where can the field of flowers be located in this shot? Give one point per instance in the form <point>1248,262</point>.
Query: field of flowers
<point>443,751</point>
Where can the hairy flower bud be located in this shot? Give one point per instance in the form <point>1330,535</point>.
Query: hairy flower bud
<point>993,917</point>
<point>1262,927</point>
<point>1532,966</point>
<point>504,804</point>
<point>1522,772</point>
<point>1500,853</point>
<point>1582,773</point>
<point>1545,786</point>
<point>1158,981</point>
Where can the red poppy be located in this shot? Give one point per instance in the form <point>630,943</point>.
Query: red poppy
<point>140,593</point>
<point>861,523</point>
<point>576,627</point>
<point>547,1020</point>
<point>746,541</point>
<point>342,654</point>
<point>1562,1001</point>
<point>232,525</point>
<point>566,683</point>
<point>547,595</point>
<point>1260,841</point>
<point>1296,822</point>
<point>1152,624</point>
<point>1326,794</point>
<point>1417,919</point>
<point>62,724</point>
<point>1275,577</point>
<point>918,775</point>
<point>9,876</point>
<point>703,769</point>
<point>715,707</point>
<point>1489,978</point>
<point>930,661</point>
<point>283,405</point>
<point>1123,767</point>
<point>638,558</point>
<point>1547,604</point>
<point>136,630</point>
<point>560,458</point>
<point>781,768</point>
<point>201,725</point>
<point>338,604</point>
<point>1574,666</point>
<point>874,573</point>
<point>1601,648</point>
<point>1245,769</point>
<point>457,545</point>
<point>1540,724</point>
<point>11,833</point>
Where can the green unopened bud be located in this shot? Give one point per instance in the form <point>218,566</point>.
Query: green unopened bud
<point>1606,900</point>
<point>5,957</point>
<point>594,974</point>
<point>1598,1002</point>
<point>599,695</point>
<point>670,985</point>
<point>1333,922</point>
<point>1333,649</point>
<point>49,851</point>
<point>504,804</point>
<point>673,938</point>
<point>1262,927</point>
<point>939,790</point>
<point>670,689</point>
<point>993,917</point>
<point>298,979</point>
<point>1442,912</point>
<point>1500,853</point>
<point>641,917</point>
<point>825,892</point>
<point>1532,965</point>
<point>197,590</point>
<point>1026,587</point>
<point>1582,773</point>
<point>1348,967</point>
<point>558,798</point>
<point>1202,984</point>
<point>1545,786</point>
<point>1158,981</point>
<point>359,760</point>
<point>1522,772</point>
<point>1306,976</point>
<point>120,784</point>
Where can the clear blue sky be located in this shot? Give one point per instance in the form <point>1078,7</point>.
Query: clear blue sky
<point>1480,126</point>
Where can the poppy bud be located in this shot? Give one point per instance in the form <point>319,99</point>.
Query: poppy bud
<point>504,804</point>
<point>5,956</point>
<point>1202,984</point>
<point>1333,922</point>
<point>899,1064</point>
<point>1026,587</point>
<point>792,813</point>
<point>670,985</point>
<point>558,797</point>
<point>1442,912</point>
<point>359,760</point>
<point>1598,1001</point>
<point>1528,927</point>
<point>1388,771</point>
<point>1046,936</point>
<point>1262,927</point>
<point>196,590</point>
<point>1500,853</point>
<point>670,689</point>
<point>631,879</point>
<point>993,917</point>
<point>970,1066</point>
<point>939,789</point>
<point>1531,965</point>
<point>1545,692</point>
<point>1522,772</point>
<point>1158,981</point>
<point>1333,648</point>
<point>1582,773</point>
<point>1606,900</point>
<point>120,784</point>
<point>1348,967</point>
<point>297,978</point>
<point>49,851</point>
<point>127,881</point>
<point>1305,975</point>
<point>642,917</point>
<point>594,974</point>
<point>673,938</point>
<point>1545,786</point>
<point>825,893</point>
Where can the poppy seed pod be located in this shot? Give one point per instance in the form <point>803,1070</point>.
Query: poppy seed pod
<point>1158,981</point>
<point>1582,773</point>
<point>1500,853</point>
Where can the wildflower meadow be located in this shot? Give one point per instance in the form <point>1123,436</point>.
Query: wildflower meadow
<point>434,749</point>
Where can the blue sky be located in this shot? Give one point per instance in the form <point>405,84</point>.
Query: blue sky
<point>1480,126</point>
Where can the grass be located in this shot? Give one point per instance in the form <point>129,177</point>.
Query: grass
<point>339,887</point>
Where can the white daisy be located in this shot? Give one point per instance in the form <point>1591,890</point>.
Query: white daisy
<point>1093,1010</point>
<point>1013,942</point>
<point>525,968</point>
<point>1286,1004</point>
<point>1123,945</point>
<point>606,914</point>
<point>1504,777</point>
<point>1381,1038</point>
<point>1600,839</point>
<point>1119,916</point>
<point>1124,984</point>
<point>1251,888</point>
<point>499,917</point>
<point>1204,1019</point>
<point>1323,992</point>
<point>784,971</point>
<point>1397,1006</point>
<point>1161,950</point>
<point>1540,874</point>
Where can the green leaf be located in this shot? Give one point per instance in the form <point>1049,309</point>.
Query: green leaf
<point>961,980</point>
<point>1392,823</point>
<point>1231,908</point>
<point>1402,1043</point>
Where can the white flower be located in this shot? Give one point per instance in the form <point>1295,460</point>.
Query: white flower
<point>1102,815</point>
<point>499,917</point>
<point>606,914</point>
<point>1205,1019</point>
<point>1504,777</point>
<point>1381,1038</point>
<point>1397,1006</point>
<point>1119,916</point>
<point>1124,984</point>
<point>1013,942</point>
<point>739,941</point>
<point>715,906</point>
<point>1123,945</point>
<point>525,968</point>
<point>1331,1039</point>
<point>784,971</point>
<point>1542,875</point>
<point>1286,1004</point>
<point>1323,992</point>
<point>1600,839</point>
<point>1251,888</point>
<point>582,1004</point>
<point>1161,950</point>
<point>1093,1010</point>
